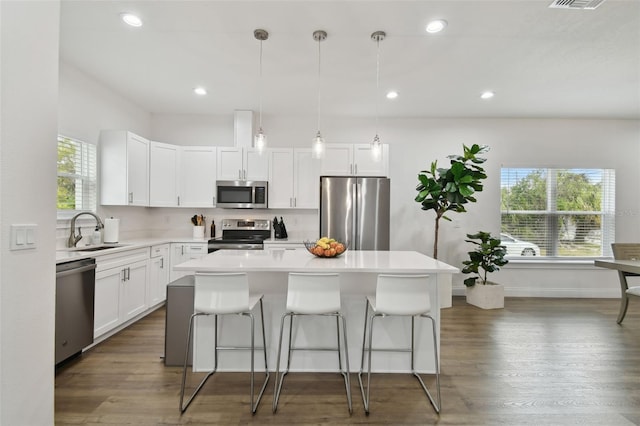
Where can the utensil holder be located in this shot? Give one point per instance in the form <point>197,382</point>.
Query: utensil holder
<point>198,232</point>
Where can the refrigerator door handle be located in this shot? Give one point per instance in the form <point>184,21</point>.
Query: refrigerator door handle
<point>354,216</point>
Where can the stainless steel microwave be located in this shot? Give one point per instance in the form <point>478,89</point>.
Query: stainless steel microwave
<point>241,194</point>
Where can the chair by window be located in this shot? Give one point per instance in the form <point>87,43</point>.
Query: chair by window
<point>626,251</point>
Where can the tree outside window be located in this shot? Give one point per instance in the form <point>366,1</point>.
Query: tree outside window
<point>76,175</point>
<point>566,212</point>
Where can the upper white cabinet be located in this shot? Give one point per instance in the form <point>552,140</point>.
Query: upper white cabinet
<point>242,164</point>
<point>124,168</point>
<point>197,176</point>
<point>182,176</point>
<point>355,160</point>
<point>293,178</point>
<point>163,174</point>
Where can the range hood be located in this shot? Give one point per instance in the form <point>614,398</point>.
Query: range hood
<point>243,128</point>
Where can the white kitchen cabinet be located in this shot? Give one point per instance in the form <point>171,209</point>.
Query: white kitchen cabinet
<point>181,252</point>
<point>124,169</point>
<point>354,160</point>
<point>293,178</point>
<point>133,296</point>
<point>121,289</point>
<point>159,265</point>
<point>107,301</point>
<point>164,165</point>
<point>242,164</point>
<point>197,176</point>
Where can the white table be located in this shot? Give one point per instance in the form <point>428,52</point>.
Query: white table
<point>267,271</point>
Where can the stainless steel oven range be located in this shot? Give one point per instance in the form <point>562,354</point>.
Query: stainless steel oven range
<point>241,234</point>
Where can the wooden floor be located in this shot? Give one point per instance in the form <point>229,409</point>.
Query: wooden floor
<point>537,362</point>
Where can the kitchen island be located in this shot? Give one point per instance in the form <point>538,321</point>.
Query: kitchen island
<point>267,271</point>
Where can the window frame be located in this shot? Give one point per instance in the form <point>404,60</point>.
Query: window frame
<point>87,175</point>
<point>551,213</point>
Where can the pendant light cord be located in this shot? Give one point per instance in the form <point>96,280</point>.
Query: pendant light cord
<point>319,60</point>
<point>260,90</point>
<point>377,83</point>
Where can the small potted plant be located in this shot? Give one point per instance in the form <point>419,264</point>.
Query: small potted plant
<point>487,257</point>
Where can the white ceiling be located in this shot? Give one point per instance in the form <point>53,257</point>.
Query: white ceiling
<point>540,62</point>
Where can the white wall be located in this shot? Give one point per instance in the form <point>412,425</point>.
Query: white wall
<point>86,106</point>
<point>414,143</point>
<point>28,123</point>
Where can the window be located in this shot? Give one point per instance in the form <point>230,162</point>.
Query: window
<point>76,176</point>
<point>557,213</point>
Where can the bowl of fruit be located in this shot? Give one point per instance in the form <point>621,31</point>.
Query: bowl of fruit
<point>325,247</point>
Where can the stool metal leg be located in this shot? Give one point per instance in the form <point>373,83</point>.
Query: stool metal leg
<point>343,370</point>
<point>278,383</point>
<point>184,407</point>
<point>252,404</point>
<point>436,406</point>
<point>366,393</point>
<point>347,376</point>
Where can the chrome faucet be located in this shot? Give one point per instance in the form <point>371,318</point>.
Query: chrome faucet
<point>73,238</point>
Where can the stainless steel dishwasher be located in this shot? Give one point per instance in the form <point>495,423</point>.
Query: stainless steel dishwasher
<point>75,292</point>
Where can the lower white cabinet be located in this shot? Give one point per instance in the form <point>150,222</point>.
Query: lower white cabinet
<point>121,288</point>
<point>181,252</point>
<point>159,265</point>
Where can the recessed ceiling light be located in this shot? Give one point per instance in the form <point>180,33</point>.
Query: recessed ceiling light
<point>200,91</point>
<point>131,19</point>
<point>487,95</point>
<point>436,26</point>
<point>392,94</point>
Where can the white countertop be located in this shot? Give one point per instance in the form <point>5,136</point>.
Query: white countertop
<point>303,261</point>
<point>66,255</point>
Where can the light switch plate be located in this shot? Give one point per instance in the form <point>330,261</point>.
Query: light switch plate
<point>24,236</point>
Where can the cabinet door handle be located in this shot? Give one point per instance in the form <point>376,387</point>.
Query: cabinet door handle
<point>130,197</point>
<point>162,263</point>
<point>295,202</point>
<point>183,250</point>
<point>240,174</point>
<point>122,275</point>
<point>350,169</point>
<point>214,200</point>
<point>128,274</point>
<point>178,200</point>
<point>356,168</point>
<point>244,174</point>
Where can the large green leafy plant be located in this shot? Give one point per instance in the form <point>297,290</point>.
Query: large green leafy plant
<point>487,257</point>
<point>449,189</point>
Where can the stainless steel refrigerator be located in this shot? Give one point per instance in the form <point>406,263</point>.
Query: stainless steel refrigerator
<point>355,210</point>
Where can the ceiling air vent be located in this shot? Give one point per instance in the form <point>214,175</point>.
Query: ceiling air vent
<point>576,4</point>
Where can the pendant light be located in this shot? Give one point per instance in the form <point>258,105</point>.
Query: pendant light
<point>318,141</point>
<point>260,139</point>
<point>376,146</point>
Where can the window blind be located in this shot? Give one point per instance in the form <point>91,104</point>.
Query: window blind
<point>564,212</point>
<point>77,185</point>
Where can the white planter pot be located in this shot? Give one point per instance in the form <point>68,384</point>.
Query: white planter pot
<point>489,296</point>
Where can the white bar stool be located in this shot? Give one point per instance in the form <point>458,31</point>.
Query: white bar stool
<point>225,294</point>
<point>399,295</point>
<point>313,294</point>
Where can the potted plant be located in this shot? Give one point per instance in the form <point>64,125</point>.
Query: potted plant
<point>449,189</point>
<point>487,257</point>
